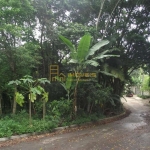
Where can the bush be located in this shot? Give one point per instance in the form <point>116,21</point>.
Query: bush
<point>19,124</point>
<point>96,99</point>
<point>60,108</point>
<point>144,96</point>
<point>87,118</point>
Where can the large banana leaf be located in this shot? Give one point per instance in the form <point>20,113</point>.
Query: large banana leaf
<point>73,61</point>
<point>68,83</point>
<point>83,47</point>
<point>108,51</point>
<point>69,45</point>
<point>97,47</point>
<point>67,42</point>
<point>108,74</point>
<point>104,52</point>
<point>115,73</point>
<point>118,73</point>
<point>92,63</point>
<point>104,56</point>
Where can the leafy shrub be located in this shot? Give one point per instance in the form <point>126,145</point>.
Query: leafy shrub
<point>14,124</point>
<point>60,108</point>
<point>94,98</point>
<point>87,118</point>
<point>98,97</point>
<point>19,124</point>
<point>144,96</point>
<point>146,83</point>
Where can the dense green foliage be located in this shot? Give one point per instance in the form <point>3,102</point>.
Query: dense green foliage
<point>79,36</point>
<point>146,83</point>
<point>19,124</point>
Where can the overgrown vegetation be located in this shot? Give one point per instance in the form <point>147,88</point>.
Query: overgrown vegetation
<point>102,37</point>
<point>19,124</point>
<point>16,124</point>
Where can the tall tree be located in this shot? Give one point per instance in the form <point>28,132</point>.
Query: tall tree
<point>18,47</point>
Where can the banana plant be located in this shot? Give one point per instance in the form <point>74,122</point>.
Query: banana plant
<point>83,55</point>
<point>67,85</point>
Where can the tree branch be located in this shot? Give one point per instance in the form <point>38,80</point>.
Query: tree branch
<point>100,11</point>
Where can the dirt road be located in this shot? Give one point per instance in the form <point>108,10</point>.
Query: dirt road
<point>130,133</point>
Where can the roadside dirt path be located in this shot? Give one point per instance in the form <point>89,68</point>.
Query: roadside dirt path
<point>130,133</point>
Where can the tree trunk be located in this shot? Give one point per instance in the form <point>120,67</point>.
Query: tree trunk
<point>88,107</point>
<point>68,95</point>
<point>30,121</point>
<point>99,15</point>
<point>14,101</point>
<point>75,98</point>
<point>44,109</point>
<point>91,107</point>
<point>0,104</point>
<point>75,102</point>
